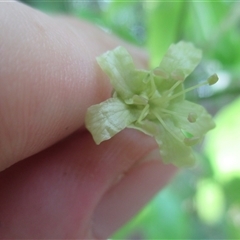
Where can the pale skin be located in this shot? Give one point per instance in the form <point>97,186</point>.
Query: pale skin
<point>55,182</point>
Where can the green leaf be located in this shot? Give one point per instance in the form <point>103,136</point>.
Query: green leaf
<point>125,19</point>
<point>106,119</point>
<point>222,144</point>
<point>164,25</point>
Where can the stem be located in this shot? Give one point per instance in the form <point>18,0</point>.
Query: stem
<point>174,86</point>
<point>187,90</point>
<point>143,113</point>
<point>165,126</point>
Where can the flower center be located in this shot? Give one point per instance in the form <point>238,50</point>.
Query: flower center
<point>154,105</point>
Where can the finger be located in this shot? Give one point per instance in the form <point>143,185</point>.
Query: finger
<point>127,197</point>
<point>48,78</point>
<point>54,194</point>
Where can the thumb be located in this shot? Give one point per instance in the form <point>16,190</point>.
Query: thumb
<point>48,78</point>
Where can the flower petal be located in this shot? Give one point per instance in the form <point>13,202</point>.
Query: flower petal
<point>163,86</point>
<point>171,142</point>
<point>118,65</point>
<point>180,60</point>
<point>148,127</point>
<point>106,119</point>
<point>198,126</point>
<point>173,150</point>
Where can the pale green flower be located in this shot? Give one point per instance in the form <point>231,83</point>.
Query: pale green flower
<point>153,102</point>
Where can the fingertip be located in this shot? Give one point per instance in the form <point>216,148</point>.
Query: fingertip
<point>48,80</point>
<point>129,195</point>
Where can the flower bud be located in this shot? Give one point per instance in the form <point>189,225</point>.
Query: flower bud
<point>212,79</point>
<point>192,117</point>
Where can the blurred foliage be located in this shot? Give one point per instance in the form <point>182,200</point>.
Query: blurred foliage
<point>202,202</point>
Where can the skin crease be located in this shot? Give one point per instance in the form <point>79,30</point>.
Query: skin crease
<point>55,182</point>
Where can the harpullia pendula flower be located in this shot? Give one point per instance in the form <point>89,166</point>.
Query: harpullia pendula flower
<point>153,102</point>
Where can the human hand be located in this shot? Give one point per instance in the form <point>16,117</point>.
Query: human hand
<point>55,181</point>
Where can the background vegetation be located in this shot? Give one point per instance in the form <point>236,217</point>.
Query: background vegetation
<point>202,202</point>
